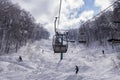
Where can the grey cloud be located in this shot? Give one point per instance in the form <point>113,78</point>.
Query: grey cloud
<point>45,11</point>
<point>38,7</point>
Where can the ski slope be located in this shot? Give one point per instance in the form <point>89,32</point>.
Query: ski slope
<point>40,63</point>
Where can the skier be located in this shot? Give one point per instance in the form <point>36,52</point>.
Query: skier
<point>76,69</point>
<point>103,52</point>
<point>42,51</point>
<point>20,59</point>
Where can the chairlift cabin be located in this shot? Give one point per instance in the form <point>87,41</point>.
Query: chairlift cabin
<point>82,38</point>
<point>72,41</point>
<point>82,41</point>
<point>60,43</point>
<point>115,38</point>
<point>116,34</point>
<point>116,15</point>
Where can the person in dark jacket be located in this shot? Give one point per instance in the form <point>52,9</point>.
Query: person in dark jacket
<point>76,69</point>
<point>103,52</point>
<point>20,59</point>
<point>42,51</point>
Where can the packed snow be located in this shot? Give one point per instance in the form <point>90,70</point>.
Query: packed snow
<point>40,63</point>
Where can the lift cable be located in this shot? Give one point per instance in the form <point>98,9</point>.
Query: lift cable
<point>101,12</point>
<point>57,19</point>
<point>59,12</point>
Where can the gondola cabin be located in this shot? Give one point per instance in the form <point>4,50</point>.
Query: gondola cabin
<point>60,43</point>
<point>82,38</point>
<point>82,41</point>
<point>116,15</point>
<point>114,40</point>
<point>72,41</point>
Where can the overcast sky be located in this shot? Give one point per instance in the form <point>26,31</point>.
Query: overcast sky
<point>45,11</point>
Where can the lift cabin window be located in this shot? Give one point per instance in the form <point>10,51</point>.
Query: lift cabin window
<point>60,40</point>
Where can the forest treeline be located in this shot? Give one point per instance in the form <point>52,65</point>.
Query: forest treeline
<point>17,27</point>
<point>100,29</point>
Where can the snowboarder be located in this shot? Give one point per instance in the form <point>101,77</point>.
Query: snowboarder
<point>20,59</point>
<point>76,69</point>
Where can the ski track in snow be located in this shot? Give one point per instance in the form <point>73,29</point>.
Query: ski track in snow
<point>40,63</point>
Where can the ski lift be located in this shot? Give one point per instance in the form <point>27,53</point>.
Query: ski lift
<point>116,33</point>
<point>115,38</point>
<point>71,37</point>
<point>72,41</point>
<point>82,37</point>
<point>60,43</point>
<point>82,41</point>
<point>116,15</point>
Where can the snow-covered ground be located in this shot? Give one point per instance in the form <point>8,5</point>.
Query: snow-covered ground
<point>40,63</point>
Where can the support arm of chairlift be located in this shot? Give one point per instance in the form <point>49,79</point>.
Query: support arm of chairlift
<point>55,24</point>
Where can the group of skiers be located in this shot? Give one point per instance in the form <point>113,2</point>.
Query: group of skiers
<point>76,67</point>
